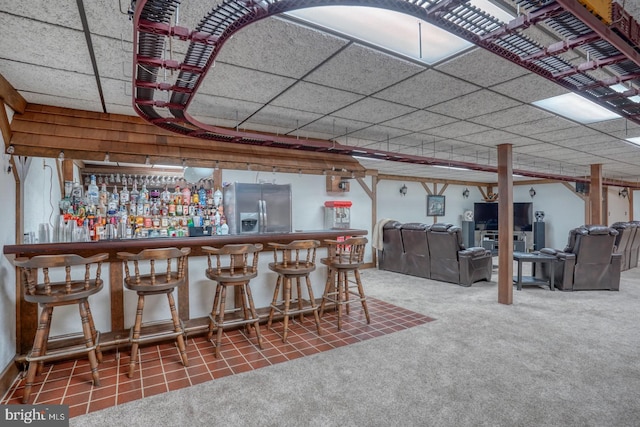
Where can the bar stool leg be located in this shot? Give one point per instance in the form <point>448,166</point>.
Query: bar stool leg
<point>274,302</point>
<point>328,288</point>
<point>299,292</point>
<point>313,305</point>
<point>178,328</point>
<point>43,347</point>
<point>94,332</point>
<point>363,299</point>
<point>136,336</point>
<point>340,296</point>
<point>214,310</point>
<point>254,314</point>
<point>89,342</point>
<point>286,293</point>
<point>346,291</point>
<point>38,343</point>
<point>245,310</point>
<point>221,309</point>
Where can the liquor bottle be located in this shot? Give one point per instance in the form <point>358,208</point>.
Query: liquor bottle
<point>202,196</point>
<point>93,192</point>
<point>76,193</point>
<point>195,197</point>
<point>165,196</point>
<point>217,198</point>
<point>186,195</point>
<point>144,193</point>
<point>177,196</point>
<point>124,195</point>
<point>114,199</point>
<point>134,195</point>
<point>104,199</point>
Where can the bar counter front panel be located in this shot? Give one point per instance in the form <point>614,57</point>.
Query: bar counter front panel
<point>114,307</point>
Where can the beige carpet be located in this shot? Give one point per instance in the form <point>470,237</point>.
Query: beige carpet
<point>550,359</point>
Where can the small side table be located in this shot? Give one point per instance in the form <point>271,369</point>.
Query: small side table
<point>534,257</point>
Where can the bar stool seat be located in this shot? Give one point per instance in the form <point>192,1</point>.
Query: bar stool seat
<point>345,258</point>
<point>232,268</point>
<point>293,261</point>
<point>155,283</point>
<point>76,288</point>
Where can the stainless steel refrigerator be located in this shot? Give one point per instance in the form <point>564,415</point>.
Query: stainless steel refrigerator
<point>257,208</point>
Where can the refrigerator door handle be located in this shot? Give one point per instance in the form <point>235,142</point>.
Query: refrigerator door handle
<point>264,215</point>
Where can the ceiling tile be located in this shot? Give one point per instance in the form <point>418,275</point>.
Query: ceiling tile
<point>285,119</point>
<point>512,116</point>
<point>541,126</point>
<point>457,129</point>
<point>280,47</point>
<point>315,98</point>
<point>362,70</point>
<point>488,68</point>
<point>373,110</point>
<point>419,120</point>
<point>68,53</point>
<point>426,89</point>
<point>529,88</point>
<point>474,104</point>
<point>243,84</point>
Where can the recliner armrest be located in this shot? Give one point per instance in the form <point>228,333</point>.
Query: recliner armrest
<point>549,251</point>
<point>474,252</point>
<point>566,256</point>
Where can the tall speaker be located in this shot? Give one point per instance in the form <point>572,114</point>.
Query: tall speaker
<point>468,234</point>
<point>538,235</point>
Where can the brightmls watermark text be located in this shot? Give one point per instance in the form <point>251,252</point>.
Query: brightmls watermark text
<point>35,415</point>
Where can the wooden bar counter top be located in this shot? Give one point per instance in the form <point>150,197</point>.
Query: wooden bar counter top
<point>27,313</point>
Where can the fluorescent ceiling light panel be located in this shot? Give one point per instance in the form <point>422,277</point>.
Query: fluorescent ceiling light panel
<point>635,140</point>
<point>389,30</point>
<point>619,87</point>
<point>575,107</point>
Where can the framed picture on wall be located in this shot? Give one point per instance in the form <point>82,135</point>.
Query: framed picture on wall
<point>435,205</point>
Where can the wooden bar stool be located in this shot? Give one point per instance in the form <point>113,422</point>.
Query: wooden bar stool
<point>344,257</point>
<point>76,288</point>
<point>155,283</point>
<point>232,268</point>
<point>293,261</point>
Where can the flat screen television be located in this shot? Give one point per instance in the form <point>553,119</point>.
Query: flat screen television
<point>485,216</point>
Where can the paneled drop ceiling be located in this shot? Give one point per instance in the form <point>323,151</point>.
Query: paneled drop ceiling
<point>283,77</point>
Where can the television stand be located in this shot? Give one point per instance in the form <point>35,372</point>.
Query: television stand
<point>489,241</point>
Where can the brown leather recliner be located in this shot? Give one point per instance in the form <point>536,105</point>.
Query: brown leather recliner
<point>626,233</point>
<point>588,262</point>
<point>634,249</point>
<point>392,257</point>
<point>451,262</point>
<point>416,249</point>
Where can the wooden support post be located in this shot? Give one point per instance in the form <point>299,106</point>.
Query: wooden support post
<point>595,195</point>
<point>505,224</point>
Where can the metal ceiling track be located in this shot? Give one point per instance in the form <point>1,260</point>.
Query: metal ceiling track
<point>612,48</point>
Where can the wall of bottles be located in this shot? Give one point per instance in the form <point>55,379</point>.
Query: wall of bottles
<point>125,206</point>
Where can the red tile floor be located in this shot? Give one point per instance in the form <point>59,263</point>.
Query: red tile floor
<point>160,369</point>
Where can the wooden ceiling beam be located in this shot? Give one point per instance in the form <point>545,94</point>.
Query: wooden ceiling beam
<point>240,157</point>
<point>88,135</point>
<point>11,97</point>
